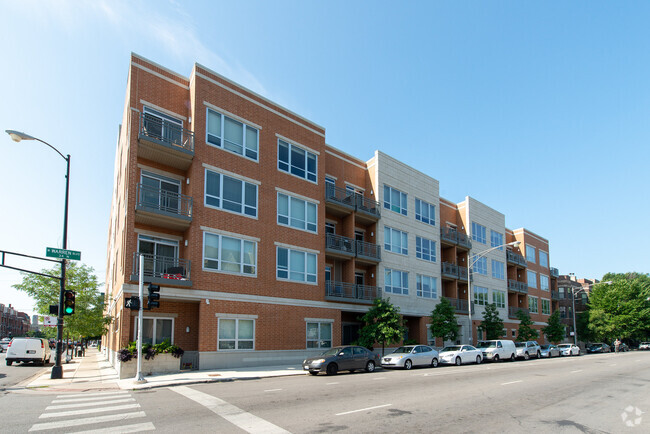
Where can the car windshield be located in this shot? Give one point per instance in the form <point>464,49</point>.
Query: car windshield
<point>520,344</point>
<point>564,346</point>
<point>451,348</point>
<point>403,350</point>
<point>486,345</point>
<point>545,347</point>
<point>332,351</point>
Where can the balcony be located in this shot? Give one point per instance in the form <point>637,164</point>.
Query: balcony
<point>515,259</point>
<point>163,270</point>
<point>464,242</point>
<point>449,236</point>
<point>368,252</point>
<point>368,210</point>
<point>339,201</point>
<point>165,142</point>
<point>462,273</point>
<point>449,271</point>
<point>512,311</point>
<point>158,207</point>
<point>555,272</point>
<point>459,305</point>
<point>516,286</point>
<point>341,291</point>
<point>555,296</point>
<point>339,246</point>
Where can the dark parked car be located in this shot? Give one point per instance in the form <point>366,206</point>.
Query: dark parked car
<point>623,347</point>
<point>598,348</point>
<point>348,358</point>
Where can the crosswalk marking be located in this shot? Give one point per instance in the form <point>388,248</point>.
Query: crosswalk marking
<point>86,395</point>
<point>97,398</point>
<point>86,421</point>
<point>89,404</point>
<point>88,411</point>
<point>138,427</point>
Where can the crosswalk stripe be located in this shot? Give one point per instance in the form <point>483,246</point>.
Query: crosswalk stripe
<point>86,421</point>
<point>89,404</point>
<point>97,398</point>
<point>137,427</point>
<point>85,395</point>
<point>88,411</point>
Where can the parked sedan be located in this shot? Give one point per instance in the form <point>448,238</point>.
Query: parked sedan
<point>569,350</point>
<point>412,355</point>
<point>348,358</point>
<point>550,351</point>
<point>598,348</point>
<point>644,346</point>
<point>459,354</point>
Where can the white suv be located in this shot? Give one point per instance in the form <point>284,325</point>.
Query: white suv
<point>528,349</point>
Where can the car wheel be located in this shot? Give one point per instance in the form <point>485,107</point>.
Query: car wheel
<point>496,358</point>
<point>458,361</point>
<point>434,363</point>
<point>332,369</point>
<point>370,366</point>
<point>478,360</point>
<point>408,364</point>
<point>526,356</point>
<point>512,357</point>
<point>313,372</point>
<point>9,362</point>
<point>539,355</point>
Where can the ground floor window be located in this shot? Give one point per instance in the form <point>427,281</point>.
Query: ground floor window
<point>155,330</point>
<point>236,334</point>
<point>319,335</point>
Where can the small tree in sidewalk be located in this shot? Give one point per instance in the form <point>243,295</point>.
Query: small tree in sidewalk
<point>526,331</point>
<point>492,324</point>
<point>554,329</point>
<point>382,323</point>
<point>443,321</point>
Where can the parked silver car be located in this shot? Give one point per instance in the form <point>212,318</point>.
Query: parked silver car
<point>459,354</point>
<point>549,351</point>
<point>349,358</point>
<point>528,349</point>
<point>569,350</point>
<point>411,355</point>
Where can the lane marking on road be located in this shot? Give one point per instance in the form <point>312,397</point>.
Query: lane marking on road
<point>613,364</point>
<point>88,411</point>
<point>86,421</point>
<point>98,398</point>
<point>512,382</point>
<point>138,427</point>
<point>89,404</point>
<point>235,415</point>
<point>330,384</point>
<point>362,409</point>
<point>86,395</point>
<point>272,390</point>
<point>379,378</point>
<point>576,371</point>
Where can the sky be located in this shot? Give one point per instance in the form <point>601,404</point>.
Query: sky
<point>539,110</point>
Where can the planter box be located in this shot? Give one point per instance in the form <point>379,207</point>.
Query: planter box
<point>161,364</point>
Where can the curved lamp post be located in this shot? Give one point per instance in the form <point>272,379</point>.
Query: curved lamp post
<point>57,369</point>
<point>573,307</point>
<point>476,257</point>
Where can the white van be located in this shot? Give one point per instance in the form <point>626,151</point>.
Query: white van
<point>498,349</point>
<point>35,350</point>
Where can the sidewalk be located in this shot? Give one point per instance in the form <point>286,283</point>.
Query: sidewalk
<point>93,372</point>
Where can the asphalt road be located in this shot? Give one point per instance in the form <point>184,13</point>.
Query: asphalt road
<point>593,394</point>
<point>17,372</point>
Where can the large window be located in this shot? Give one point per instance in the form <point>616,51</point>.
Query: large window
<point>498,269</point>
<point>155,330</point>
<point>160,254</point>
<point>232,135</point>
<point>425,249</point>
<point>297,161</point>
<point>319,335</point>
<point>530,254</point>
<point>532,279</point>
<point>427,286</point>
<point>543,282</point>
<point>236,334</point>
<point>496,239</point>
<point>396,241</point>
<point>480,265</point>
<point>543,259</point>
<point>546,306</point>
<point>478,233</point>
<point>296,213</point>
<point>425,212</point>
<point>533,304</point>
<point>396,282</point>
<point>229,254</point>
<point>231,194</point>
<point>499,298</point>
<point>395,200</point>
<point>296,265</point>
<point>480,296</point>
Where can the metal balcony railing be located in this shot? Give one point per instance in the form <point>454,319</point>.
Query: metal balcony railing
<point>462,273</point>
<point>166,132</point>
<point>517,286</point>
<point>515,258</point>
<point>161,267</point>
<point>369,250</point>
<point>464,240</point>
<point>339,243</point>
<point>339,195</point>
<point>351,291</point>
<point>368,206</point>
<point>450,270</point>
<point>555,295</point>
<point>157,199</point>
<point>449,234</point>
<point>555,272</point>
<point>459,305</point>
<point>512,311</point>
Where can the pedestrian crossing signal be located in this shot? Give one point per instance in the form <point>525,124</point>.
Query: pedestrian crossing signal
<point>68,302</point>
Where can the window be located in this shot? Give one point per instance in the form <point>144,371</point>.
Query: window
<point>478,233</point>
<point>231,194</point>
<point>479,334</point>
<point>514,333</point>
<point>160,254</point>
<point>563,312</point>
<point>480,296</point>
<point>543,282</point>
<point>396,282</point>
<point>160,192</point>
<point>499,298</point>
<point>395,200</point>
<point>425,249</point>
<point>504,333</point>
<point>236,334</point>
<point>296,213</point>
<point>480,265</point>
<point>498,270</point>
<point>532,304</point>
<point>425,212</point>
<point>546,306</point>
<point>532,279</point>
<point>396,241</point>
<point>162,127</point>
<point>543,259</point>
<point>232,135</point>
<point>427,286</point>
<point>319,335</point>
<point>229,254</point>
<point>155,330</point>
<point>296,265</point>
<point>530,254</point>
<point>295,160</point>
<point>496,239</point>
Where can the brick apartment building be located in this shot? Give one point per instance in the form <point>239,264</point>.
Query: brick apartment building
<point>268,243</point>
<point>12,322</point>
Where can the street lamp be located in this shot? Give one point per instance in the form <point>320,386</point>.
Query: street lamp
<point>573,309</point>
<point>478,256</point>
<point>57,369</point>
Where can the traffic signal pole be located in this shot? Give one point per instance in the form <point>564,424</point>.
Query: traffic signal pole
<point>139,378</point>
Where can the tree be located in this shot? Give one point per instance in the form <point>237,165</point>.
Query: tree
<point>382,323</point>
<point>492,325</point>
<point>554,330</point>
<point>443,321</point>
<point>88,319</point>
<point>526,331</point>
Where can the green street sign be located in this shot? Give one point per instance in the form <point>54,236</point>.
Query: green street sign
<point>51,252</point>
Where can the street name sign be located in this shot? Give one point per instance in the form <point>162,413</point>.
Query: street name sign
<point>51,252</point>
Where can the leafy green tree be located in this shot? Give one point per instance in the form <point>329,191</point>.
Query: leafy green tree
<point>582,327</point>
<point>88,319</point>
<point>492,325</point>
<point>526,331</point>
<point>382,323</point>
<point>554,329</point>
<point>443,321</point>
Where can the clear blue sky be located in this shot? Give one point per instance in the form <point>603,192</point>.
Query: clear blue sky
<point>537,109</point>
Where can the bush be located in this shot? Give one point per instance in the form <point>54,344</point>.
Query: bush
<point>149,351</point>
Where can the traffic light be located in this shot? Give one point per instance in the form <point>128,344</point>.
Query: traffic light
<point>152,300</point>
<point>68,302</point>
